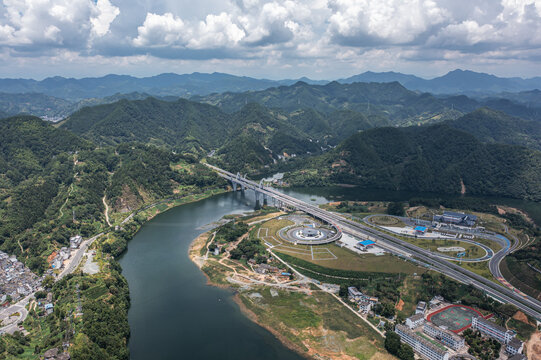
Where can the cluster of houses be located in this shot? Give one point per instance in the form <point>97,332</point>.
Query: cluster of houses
<point>65,252</point>
<point>363,301</point>
<point>434,342</point>
<point>16,280</point>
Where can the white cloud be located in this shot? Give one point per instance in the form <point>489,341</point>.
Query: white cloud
<point>68,23</point>
<point>105,14</point>
<point>216,31</point>
<point>390,21</point>
<point>161,30</point>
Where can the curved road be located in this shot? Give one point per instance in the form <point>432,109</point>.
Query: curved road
<point>489,253</point>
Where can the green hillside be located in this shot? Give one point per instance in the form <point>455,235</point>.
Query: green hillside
<point>52,183</point>
<point>497,127</point>
<point>390,102</point>
<point>182,125</point>
<point>433,158</point>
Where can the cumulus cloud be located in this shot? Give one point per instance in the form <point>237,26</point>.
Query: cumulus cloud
<point>359,22</point>
<point>62,23</point>
<point>277,33</point>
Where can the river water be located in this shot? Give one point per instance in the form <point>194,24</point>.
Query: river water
<point>174,314</point>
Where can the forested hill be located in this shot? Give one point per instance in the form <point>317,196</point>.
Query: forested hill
<point>182,125</point>
<point>433,158</point>
<point>29,146</point>
<point>497,127</point>
<point>387,100</point>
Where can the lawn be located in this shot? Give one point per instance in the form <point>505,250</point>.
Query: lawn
<point>317,322</point>
<point>348,260</point>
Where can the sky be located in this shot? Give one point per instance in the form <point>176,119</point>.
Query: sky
<point>320,39</point>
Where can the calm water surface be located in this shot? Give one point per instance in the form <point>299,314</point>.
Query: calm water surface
<point>174,314</point>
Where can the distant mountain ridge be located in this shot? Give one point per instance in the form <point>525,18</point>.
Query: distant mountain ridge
<point>161,85</point>
<point>454,82</point>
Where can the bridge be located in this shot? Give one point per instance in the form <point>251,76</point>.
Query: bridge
<point>390,243</point>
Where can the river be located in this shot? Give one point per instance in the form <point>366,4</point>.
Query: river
<point>175,315</point>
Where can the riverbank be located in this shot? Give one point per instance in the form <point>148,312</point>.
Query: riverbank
<point>304,318</point>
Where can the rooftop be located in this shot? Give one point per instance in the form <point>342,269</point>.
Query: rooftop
<point>491,324</point>
<point>416,317</point>
<point>437,347</point>
<point>366,242</point>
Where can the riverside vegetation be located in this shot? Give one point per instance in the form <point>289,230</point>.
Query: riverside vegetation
<point>52,187</point>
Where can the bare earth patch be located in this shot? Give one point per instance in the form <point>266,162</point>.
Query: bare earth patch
<point>533,346</point>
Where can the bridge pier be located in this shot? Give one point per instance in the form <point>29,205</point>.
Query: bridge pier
<point>234,186</point>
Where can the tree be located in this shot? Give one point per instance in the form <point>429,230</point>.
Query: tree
<point>343,290</point>
<point>392,342</point>
<point>396,208</point>
<point>406,352</point>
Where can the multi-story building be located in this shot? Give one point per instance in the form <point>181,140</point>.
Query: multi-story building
<point>421,344</point>
<point>448,338</point>
<point>354,293</point>
<point>415,321</point>
<point>493,330</point>
<point>421,307</point>
<point>515,346</point>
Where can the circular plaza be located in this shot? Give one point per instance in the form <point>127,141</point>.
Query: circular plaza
<point>306,231</point>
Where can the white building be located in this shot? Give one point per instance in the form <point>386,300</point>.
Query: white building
<point>415,321</point>
<point>515,346</point>
<point>422,345</point>
<point>448,338</point>
<point>354,293</point>
<point>75,241</point>
<point>421,307</point>
<point>493,330</point>
<point>365,306</point>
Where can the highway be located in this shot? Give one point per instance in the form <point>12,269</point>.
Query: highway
<point>397,246</point>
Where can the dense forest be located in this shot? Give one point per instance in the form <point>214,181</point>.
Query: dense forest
<point>433,158</point>
<point>52,186</point>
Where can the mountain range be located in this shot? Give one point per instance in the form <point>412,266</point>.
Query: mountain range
<point>167,84</point>
<point>159,85</point>
<point>454,82</point>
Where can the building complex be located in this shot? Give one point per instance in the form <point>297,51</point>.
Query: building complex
<point>422,345</point>
<point>493,330</point>
<point>448,338</point>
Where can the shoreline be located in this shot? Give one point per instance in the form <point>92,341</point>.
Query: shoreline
<point>193,253</point>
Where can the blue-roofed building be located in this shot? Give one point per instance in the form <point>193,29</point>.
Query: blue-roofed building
<point>365,244</point>
<point>420,229</point>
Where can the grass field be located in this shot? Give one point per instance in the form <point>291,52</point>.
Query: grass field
<point>472,250</point>
<point>480,268</point>
<point>331,255</point>
<point>386,221</point>
<point>316,322</point>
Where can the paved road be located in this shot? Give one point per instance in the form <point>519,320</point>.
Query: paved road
<point>489,253</point>
<point>395,245</point>
<point>19,307</point>
<point>76,259</point>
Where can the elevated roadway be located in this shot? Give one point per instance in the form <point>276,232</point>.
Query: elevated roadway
<point>394,245</point>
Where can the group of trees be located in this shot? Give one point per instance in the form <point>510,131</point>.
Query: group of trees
<point>231,231</point>
<point>481,347</point>
<point>393,345</point>
<point>251,248</point>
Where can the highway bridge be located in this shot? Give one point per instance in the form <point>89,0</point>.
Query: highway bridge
<point>390,243</point>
